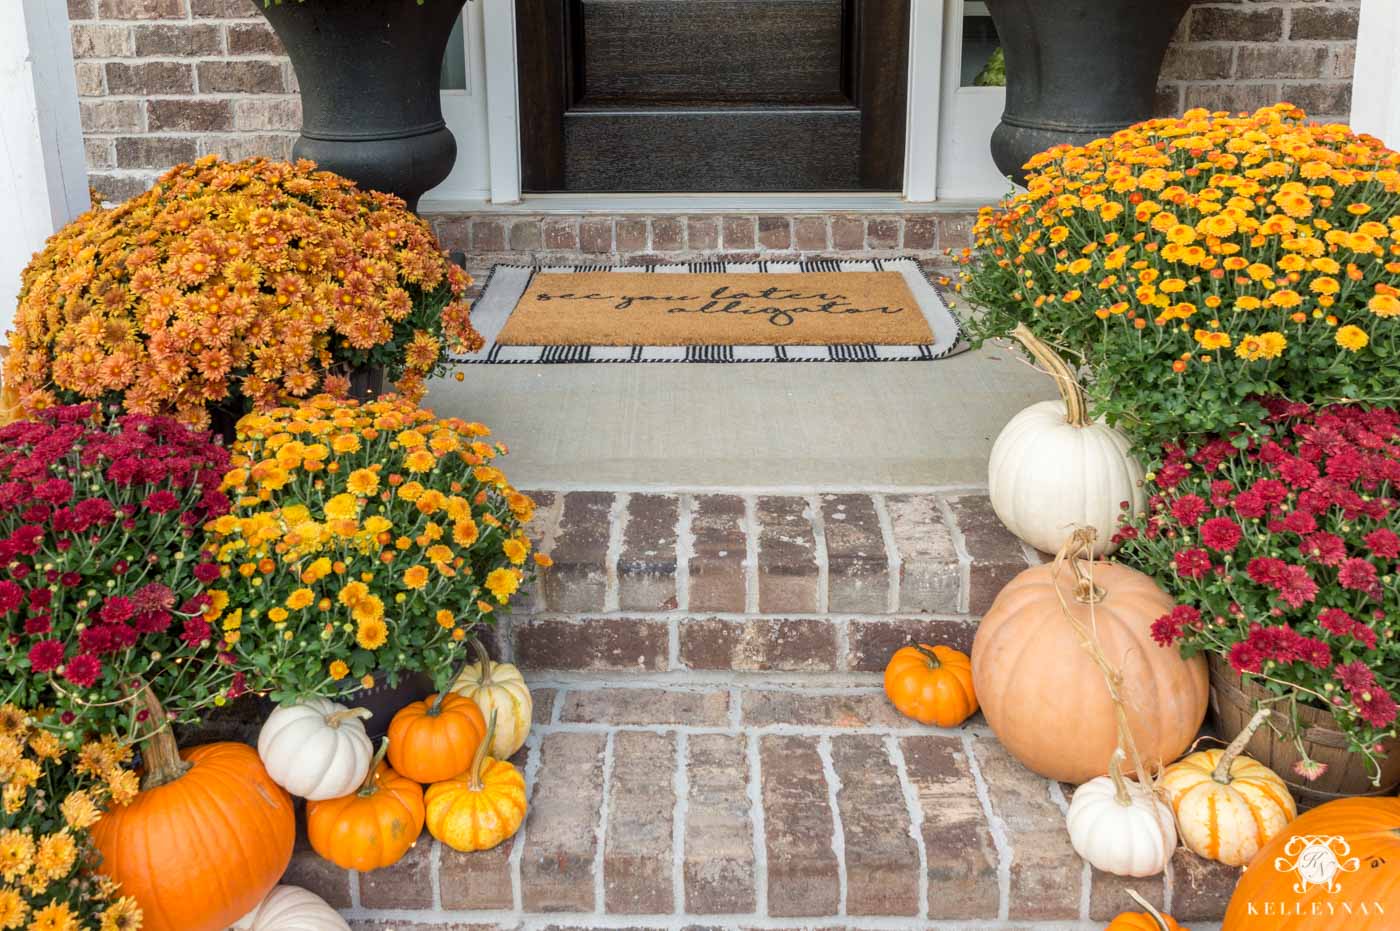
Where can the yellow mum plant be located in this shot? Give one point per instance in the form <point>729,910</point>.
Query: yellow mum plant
<point>1196,265</point>
<point>49,797</point>
<point>364,540</point>
<point>235,282</point>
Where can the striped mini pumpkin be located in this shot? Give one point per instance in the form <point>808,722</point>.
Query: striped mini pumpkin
<point>1227,819</point>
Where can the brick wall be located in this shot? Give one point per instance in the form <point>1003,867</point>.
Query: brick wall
<point>164,81</point>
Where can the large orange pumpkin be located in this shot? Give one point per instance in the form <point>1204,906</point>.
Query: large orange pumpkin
<point>369,828</point>
<point>205,840</point>
<point>436,738</point>
<point>1046,697</point>
<point>1354,840</point>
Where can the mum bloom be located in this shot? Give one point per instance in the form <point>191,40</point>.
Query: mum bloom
<point>1352,338</point>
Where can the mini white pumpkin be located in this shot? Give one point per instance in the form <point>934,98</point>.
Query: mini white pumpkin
<point>1120,826</point>
<point>316,749</point>
<point>1052,469</point>
<point>499,688</point>
<point>292,908</point>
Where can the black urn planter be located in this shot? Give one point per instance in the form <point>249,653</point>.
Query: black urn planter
<point>369,76</point>
<point>1076,70</point>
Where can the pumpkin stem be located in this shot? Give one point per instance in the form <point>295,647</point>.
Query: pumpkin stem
<point>933,661</point>
<point>1076,409</point>
<point>1120,782</point>
<point>371,783</point>
<point>483,750</point>
<point>337,718</point>
<point>1079,551</point>
<point>1152,912</point>
<point>1236,747</point>
<point>158,749</point>
<point>483,660</point>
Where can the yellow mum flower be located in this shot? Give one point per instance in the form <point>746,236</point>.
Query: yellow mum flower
<point>372,633</point>
<point>56,916</point>
<point>1264,346</point>
<point>1385,305</point>
<point>79,812</point>
<point>1212,339</point>
<point>363,482</point>
<point>1352,338</point>
<point>369,609</point>
<point>503,583</point>
<point>377,524</point>
<point>300,598</point>
<point>410,439</point>
<point>13,909</point>
<point>445,619</point>
<point>318,570</point>
<point>544,560</point>
<point>342,507</point>
<point>415,577</point>
<point>515,550</point>
<point>465,532</point>
<point>16,854</point>
<point>420,460</point>
<point>1285,298</point>
<point>56,855</point>
<point>122,915</point>
<point>353,593</point>
<point>338,670</point>
<point>345,443</point>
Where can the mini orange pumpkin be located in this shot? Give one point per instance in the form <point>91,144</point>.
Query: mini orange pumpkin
<point>436,738</point>
<point>1150,920</point>
<point>372,827</point>
<point>931,684</point>
<point>480,808</point>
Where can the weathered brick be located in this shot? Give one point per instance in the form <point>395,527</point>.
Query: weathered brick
<point>252,39</point>
<point>758,644</point>
<point>1198,63</point>
<point>1343,63</point>
<point>1232,97</point>
<point>646,567</point>
<point>142,9</point>
<point>560,235</point>
<point>168,39</point>
<point>955,230</point>
<point>920,233</point>
<point>858,569</point>
<point>488,235</point>
<point>962,857</point>
<point>406,884</point>
<point>149,77</point>
<point>1220,24</point>
<point>848,233</point>
<point>930,575</point>
<point>631,235</point>
<point>997,557</point>
<point>395,924</point>
<point>703,233</point>
<point>312,872</point>
<point>1319,22</point>
<point>225,9</point>
<point>264,113</point>
<point>242,76</point>
<point>719,858</point>
<point>101,41</point>
<point>561,842</point>
<point>651,707</point>
<point>1041,888</point>
<point>882,863</point>
<point>1201,888</point>
<point>154,151</point>
<point>1281,61</point>
<point>478,880</point>
<point>526,235</point>
<point>578,580</point>
<point>718,581</point>
<point>542,705</point>
<point>872,641</point>
<point>100,154</point>
<point>1331,99</point>
<point>596,644</point>
<point>787,557</point>
<point>596,235</point>
<point>852,708</point>
<point>82,9</point>
<point>667,234</point>
<point>774,232</point>
<point>189,115</point>
<point>809,234</point>
<point>1108,894</point>
<point>740,233</point>
<point>90,78</point>
<point>116,188</point>
<point>637,858</point>
<point>882,232</point>
<point>798,828</point>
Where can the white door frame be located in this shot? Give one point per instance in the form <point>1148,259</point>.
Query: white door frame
<point>1375,83</point>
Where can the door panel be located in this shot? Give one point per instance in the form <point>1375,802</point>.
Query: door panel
<point>712,95</point>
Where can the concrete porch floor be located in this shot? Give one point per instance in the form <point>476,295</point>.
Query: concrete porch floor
<point>807,425</point>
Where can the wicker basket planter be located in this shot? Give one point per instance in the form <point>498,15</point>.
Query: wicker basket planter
<point>1232,703</point>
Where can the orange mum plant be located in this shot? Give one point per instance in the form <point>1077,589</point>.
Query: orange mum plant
<point>235,282</point>
<point>1196,265</point>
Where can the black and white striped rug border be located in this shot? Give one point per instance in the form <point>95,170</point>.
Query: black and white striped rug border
<point>660,355</point>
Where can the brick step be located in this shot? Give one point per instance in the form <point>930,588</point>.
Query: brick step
<point>760,805</point>
<point>654,581</point>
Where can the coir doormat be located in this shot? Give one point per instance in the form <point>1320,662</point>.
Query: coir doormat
<point>819,311</point>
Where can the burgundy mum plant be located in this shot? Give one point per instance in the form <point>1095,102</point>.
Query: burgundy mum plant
<point>1282,556</point>
<point>101,573</point>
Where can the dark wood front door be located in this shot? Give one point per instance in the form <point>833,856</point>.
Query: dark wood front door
<point>712,95</point>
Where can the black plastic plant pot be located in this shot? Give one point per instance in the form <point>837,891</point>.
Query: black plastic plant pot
<point>369,73</point>
<point>1077,70</point>
<point>384,700</point>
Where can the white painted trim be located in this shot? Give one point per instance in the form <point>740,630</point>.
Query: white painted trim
<point>699,204</point>
<point>502,100</point>
<point>925,97</point>
<point>43,171</point>
<point>1375,93</point>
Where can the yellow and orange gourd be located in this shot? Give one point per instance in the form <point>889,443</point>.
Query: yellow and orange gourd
<point>480,808</point>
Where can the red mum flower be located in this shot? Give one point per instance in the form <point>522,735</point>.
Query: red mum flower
<point>1358,575</point>
<point>1189,509</point>
<point>1383,543</point>
<point>1193,563</point>
<point>82,670</point>
<point>46,655</point>
<point>1221,534</point>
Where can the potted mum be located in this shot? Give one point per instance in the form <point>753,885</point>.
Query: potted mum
<point>102,581</point>
<point>1282,555</point>
<point>1194,265</point>
<point>366,542</point>
<point>232,284</point>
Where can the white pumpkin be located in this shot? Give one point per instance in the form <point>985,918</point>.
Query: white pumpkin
<point>1052,469</point>
<point>499,688</point>
<point>291,908</point>
<point>1120,826</point>
<point>316,749</point>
